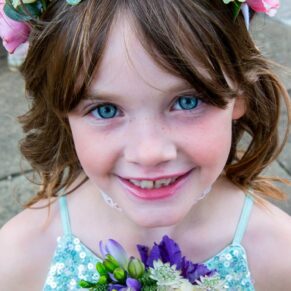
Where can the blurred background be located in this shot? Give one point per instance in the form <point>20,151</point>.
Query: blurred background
<point>272,36</point>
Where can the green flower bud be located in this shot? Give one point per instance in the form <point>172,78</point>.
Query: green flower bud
<point>102,280</point>
<point>86,284</point>
<point>101,269</point>
<point>119,274</point>
<point>110,263</point>
<point>113,260</point>
<point>135,268</point>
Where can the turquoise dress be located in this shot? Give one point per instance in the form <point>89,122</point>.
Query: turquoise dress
<point>73,261</point>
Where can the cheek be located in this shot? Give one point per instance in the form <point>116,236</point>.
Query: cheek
<point>95,152</point>
<point>209,141</point>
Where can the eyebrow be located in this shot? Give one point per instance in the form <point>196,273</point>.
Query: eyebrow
<point>99,94</point>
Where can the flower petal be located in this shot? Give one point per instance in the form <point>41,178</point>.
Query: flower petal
<point>103,250</point>
<point>269,7</point>
<point>154,255</point>
<point>170,252</point>
<point>116,287</point>
<point>133,283</point>
<point>193,272</point>
<point>13,33</point>
<point>115,249</point>
<point>143,252</point>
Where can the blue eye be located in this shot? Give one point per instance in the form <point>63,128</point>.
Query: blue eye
<point>104,111</point>
<point>186,103</point>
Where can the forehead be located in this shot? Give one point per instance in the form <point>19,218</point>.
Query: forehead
<point>126,62</point>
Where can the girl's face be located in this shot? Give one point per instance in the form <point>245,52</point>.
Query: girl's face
<point>144,138</point>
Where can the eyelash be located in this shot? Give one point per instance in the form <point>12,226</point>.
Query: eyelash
<point>197,104</point>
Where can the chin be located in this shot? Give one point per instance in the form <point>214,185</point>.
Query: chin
<point>153,220</point>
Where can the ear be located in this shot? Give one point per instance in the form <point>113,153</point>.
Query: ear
<point>239,108</point>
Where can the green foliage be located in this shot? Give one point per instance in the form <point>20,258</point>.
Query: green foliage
<point>25,12</point>
<point>148,284</point>
<point>93,286</point>
<point>236,8</point>
<point>100,288</point>
<point>149,288</point>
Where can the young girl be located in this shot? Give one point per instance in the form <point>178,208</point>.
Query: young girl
<point>137,110</point>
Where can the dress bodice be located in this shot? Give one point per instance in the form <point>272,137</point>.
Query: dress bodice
<point>74,261</point>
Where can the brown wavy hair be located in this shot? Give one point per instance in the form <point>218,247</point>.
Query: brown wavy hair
<point>67,45</point>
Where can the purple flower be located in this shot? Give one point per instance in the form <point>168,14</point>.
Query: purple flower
<point>167,251</point>
<point>131,284</point>
<point>143,252</point>
<point>193,272</point>
<point>113,248</point>
<point>117,287</point>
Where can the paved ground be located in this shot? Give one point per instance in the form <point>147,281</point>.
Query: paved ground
<point>273,37</point>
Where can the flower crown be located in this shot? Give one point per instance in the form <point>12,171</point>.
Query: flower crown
<point>15,15</point>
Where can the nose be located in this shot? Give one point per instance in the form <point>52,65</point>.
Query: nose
<point>149,144</point>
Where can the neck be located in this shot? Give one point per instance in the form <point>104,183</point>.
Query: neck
<point>196,218</point>
<point>202,221</point>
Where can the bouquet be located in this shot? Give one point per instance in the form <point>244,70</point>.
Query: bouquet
<point>161,268</point>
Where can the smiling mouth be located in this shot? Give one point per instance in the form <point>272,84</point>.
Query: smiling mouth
<point>152,189</point>
<point>153,184</point>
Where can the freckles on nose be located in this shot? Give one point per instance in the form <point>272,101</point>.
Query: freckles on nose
<point>150,146</point>
<point>149,154</point>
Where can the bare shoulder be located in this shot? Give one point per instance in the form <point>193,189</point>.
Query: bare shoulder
<point>26,246</point>
<point>269,248</point>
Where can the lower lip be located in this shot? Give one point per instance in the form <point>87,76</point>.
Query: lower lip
<point>155,194</point>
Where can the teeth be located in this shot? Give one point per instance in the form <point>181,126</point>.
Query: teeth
<point>145,184</point>
<point>163,182</point>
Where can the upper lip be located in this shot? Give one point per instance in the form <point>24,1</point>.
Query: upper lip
<point>170,176</point>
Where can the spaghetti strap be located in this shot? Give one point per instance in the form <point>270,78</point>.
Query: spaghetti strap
<point>244,219</point>
<point>65,215</point>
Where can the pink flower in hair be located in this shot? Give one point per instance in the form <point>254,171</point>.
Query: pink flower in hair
<point>269,7</point>
<point>13,33</point>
